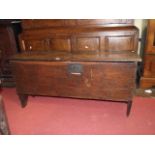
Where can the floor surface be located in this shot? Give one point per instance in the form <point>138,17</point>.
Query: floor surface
<point>57,116</point>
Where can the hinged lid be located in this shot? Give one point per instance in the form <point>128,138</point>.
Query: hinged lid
<point>62,56</point>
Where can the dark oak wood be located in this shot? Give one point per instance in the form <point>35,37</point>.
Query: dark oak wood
<point>4,127</point>
<point>107,80</point>
<point>129,105</point>
<point>80,39</point>
<point>23,99</point>
<point>150,39</point>
<point>8,47</point>
<point>77,58</point>
<point>46,23</point>
<point>54,79</point>
<point>148,78</point>
<point>61,56</point>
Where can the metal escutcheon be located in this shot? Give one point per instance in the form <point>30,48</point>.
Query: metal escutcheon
<point>75,69</point>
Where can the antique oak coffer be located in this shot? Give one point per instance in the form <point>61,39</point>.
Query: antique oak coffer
<point>91,62</point>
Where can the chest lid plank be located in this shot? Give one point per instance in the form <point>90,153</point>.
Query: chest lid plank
<point>61,56</point>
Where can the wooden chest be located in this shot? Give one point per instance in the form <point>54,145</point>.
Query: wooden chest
<point>81,61</point>
<point>108,77</point>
